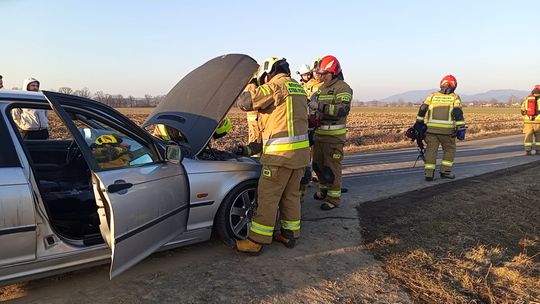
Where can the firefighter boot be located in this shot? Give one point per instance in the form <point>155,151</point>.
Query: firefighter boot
<point>327,206</point>
<point>289,243</point>
<point>447,175</point>
<point>529,153</point>
<point>320,195</point>
<point>248,246</point>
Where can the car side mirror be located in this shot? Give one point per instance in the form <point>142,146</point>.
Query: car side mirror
<point>173,154</point>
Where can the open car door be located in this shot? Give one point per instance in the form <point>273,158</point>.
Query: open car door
<point>143,201</point>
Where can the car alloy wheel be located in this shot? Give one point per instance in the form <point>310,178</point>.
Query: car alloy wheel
<point>235,213</point>
<point>242,212</point>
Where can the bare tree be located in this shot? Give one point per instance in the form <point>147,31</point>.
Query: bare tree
<point>84,92</point>
<point>65,90</point>
<point>100,96</point>
<point>148,100</point>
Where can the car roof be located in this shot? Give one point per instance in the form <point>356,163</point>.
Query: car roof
<point>9,96</point>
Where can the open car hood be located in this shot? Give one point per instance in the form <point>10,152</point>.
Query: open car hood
<point>198,103</point>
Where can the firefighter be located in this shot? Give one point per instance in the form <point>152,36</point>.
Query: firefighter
<point>305,73</point>
<point>531,128</point>
<point>110,152</point>
<point>306,77</point>
<point>332,104</point>
<point>171,134</point>
<point>254,134</point>
<point>312,86</point>
<point>223,128</point>
<point>282,113</point>
<point>444,122</point>
<point>167,133</point>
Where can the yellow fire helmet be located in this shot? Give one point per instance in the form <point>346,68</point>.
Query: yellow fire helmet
<point>224,127</point>
<point>107,139</point>
<point>267,67</point>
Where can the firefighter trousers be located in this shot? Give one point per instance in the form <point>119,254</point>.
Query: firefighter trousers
<point>532,136</point>
<point>278,188</point>
<point>448,143</point>
<point>327,158</point>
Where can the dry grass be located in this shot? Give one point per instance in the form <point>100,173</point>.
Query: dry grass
<point>379,128</point>
<point>471,241</point>
<point>369,128</point>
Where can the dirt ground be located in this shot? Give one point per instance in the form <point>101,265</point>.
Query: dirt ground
<point>472,241</point>
<point>329,265</point>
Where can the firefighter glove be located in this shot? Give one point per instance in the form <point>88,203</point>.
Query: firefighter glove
<point>460,134</point>
<point>420,129</point>
<point>242,150</point>
<point>239,150</point>
<point>418,126</point>
<point>313,103</point>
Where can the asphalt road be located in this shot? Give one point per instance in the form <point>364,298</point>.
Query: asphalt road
<point>379,175</point>
<point>369,175</point>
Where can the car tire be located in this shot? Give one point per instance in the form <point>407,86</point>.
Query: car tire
<point>236,212</point>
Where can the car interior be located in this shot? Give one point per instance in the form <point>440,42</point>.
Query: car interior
<point>64,182</point>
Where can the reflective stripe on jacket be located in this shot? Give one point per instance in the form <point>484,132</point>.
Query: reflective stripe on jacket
<point>312,86</point>
<point>251,115</point>
<point>440,118</point>
<point>282,116</point>
<point>335,100</point>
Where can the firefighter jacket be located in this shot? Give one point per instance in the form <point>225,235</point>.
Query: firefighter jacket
<point>254,135</point>
<point>444,113</point>
<point>334,106</point>
<point>312,86</point>
<point>252,116</point>
<point>530,119</point>
<point>282,116</point>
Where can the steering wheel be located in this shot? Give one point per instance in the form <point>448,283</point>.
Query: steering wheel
<point>72,152</point>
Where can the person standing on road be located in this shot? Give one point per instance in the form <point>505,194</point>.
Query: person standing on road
<point>444,122</point>
<point>33,123</point>
<point>1,82</point>
<point>308,83</point>
<point>305,74</point>
<point>315,82</point>
<point>254,134</point>
<point>332,103</point>
<point>531,128</point>
<point>311,87</point>
<point>282,113</point>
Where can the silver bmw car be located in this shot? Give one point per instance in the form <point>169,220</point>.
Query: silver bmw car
<point>106,190</point>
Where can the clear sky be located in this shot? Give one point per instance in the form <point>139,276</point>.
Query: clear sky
<point>385,47</point>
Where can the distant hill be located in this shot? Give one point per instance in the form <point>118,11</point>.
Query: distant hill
<point>419,95</point>
<point>410,96</point>
<point>500,95</point>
